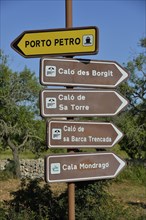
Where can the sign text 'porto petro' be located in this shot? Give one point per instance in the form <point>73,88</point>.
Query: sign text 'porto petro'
<point>80,72</point>
<point>65,41</point>
<point>74,102</point>
<point>81,134</point>
<point>82,167</point>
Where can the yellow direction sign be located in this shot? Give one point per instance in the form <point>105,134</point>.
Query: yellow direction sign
<point>71,41</point>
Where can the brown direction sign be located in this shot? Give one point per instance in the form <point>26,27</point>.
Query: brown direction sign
<point>81,134</point>
<point>82,167</point>
<point>89,73</point>
<point>80,103</point>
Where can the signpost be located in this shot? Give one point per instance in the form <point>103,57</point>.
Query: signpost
<point>81,134</point>
<point>70,41</point>
<point>64,41</point>
<point>82,167</point>
<point>89,73</point>
<point>81,103</point>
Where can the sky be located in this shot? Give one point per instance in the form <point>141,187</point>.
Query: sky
<point>121,24</point>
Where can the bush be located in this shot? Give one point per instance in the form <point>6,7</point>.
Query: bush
<point>9,171</point>
<point>136,173</point>
<point>93,202</point>
<point>35,198</point>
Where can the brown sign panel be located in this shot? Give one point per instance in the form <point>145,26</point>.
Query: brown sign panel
<point>82,167</point>
<point>89,73</point>
<point>80,103</point>
<point>81,134</point>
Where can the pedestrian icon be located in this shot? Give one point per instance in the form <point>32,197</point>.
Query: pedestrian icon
<point>87,40</point>
<point>51,102</point>
<point>56,134</point>
<point>50,71</point>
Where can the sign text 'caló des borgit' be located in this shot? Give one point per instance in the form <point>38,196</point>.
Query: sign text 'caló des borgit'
<point>81,72</point>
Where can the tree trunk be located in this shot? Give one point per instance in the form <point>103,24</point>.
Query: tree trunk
<point>15,154</point>
<point>16,162</point>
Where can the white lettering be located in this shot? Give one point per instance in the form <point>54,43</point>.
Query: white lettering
<point>69,128</point>
<point>82,73</point>
<point>79,107</point>
<point>63,107</point>
<point>66,97</point>
<point>66,71</point>
<point>69,167</point>
<point>81,129</point>
<point>81,97</point>
<point>94,166</point>
<point>78,139</point>
<point>103,74</point>
<point>100,139</point>
<point>65,139</point>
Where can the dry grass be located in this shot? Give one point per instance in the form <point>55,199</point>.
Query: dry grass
<point>127,193</point>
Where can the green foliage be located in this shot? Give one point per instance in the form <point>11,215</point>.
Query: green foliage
<point>134,135</point>
<point>11,214</point>
<point>20,125</point>
<point>92,203</point>
<point>143,42</point>
<point>5,175</point>
<point>133,121</point>
<point>136,173</point>
<point>38,199</point>
<point>34,201</point>
<point>9,171</point>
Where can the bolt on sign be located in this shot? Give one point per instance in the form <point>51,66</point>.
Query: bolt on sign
<point>65,41</point>
<point>81,134</point>
<point>89,73</point>
<point>80,103</point>
<point>82,167</point>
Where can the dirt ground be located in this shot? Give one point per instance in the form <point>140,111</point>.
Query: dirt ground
<point>12,185</point>
<point>6,187</point>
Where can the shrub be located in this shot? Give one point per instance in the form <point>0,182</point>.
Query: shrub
<point>136,173</point>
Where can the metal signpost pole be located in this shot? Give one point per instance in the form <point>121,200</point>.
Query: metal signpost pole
<point>71,186</point>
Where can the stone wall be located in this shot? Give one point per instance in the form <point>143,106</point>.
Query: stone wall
<point>30,168</point>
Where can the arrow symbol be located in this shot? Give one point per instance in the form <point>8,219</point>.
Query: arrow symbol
<point>61,41</point>
<point>88,73</point>
<point>81,103</point>
<point>81,134</point>
<point>82,167</point>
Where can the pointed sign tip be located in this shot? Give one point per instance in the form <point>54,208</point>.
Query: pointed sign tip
<point>122,164</point>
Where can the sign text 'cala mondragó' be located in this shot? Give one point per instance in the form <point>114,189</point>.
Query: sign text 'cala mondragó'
<point>82,167</point>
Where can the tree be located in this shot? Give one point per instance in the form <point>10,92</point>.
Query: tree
<point>19,123</point>
<point>133,122</point>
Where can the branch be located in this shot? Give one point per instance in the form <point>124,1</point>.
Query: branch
<point>26,139</point>
<point>5,126</point>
